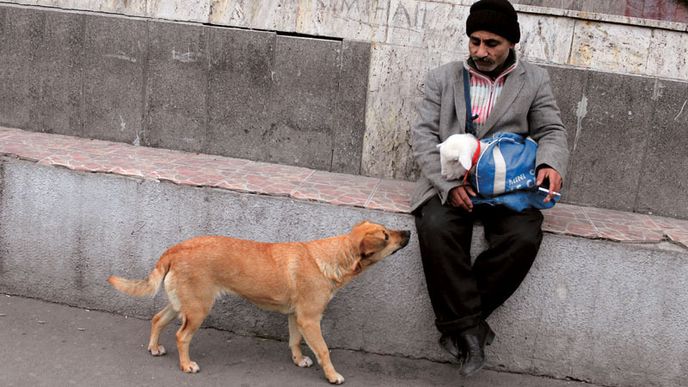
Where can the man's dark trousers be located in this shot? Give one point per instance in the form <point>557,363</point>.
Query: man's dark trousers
<point>462,294</point>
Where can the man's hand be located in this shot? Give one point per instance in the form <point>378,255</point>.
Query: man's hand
<point>553,177</point>
<point>461,197</point>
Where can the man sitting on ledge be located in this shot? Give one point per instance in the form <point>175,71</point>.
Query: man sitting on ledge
<point>505,95</point>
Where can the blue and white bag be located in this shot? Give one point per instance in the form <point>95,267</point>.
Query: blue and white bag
<point>505,173</point>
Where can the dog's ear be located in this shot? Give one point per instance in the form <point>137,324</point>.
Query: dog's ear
<point>466,162</point>
<point>372,243</point>
<point>359,227</point>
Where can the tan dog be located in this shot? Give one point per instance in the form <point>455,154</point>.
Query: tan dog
<point>296,278</point>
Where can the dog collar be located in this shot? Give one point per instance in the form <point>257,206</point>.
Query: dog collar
<point>474,162</point>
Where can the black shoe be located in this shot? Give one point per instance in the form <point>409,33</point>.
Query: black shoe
<point>473,341</point>
<point>451,345</point>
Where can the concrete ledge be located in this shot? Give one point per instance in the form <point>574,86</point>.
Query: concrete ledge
<point>596,310</point>
<point>248,176</point>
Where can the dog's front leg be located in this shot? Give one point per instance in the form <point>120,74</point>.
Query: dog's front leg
<point>310,328</point>
<point>295,344</point>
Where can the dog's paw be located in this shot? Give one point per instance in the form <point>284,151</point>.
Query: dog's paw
<point>191,368</point>
<point>305,362</point>
<point>159,351</point>
<point>336,378</point>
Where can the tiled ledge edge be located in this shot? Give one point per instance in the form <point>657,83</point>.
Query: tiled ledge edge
<point>247,176</point>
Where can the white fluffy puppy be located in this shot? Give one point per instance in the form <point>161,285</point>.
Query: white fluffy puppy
<point>456,155</point>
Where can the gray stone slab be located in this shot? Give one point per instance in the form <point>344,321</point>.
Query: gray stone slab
<point>59,74</point>
<point>41,64</point>
<point>569,87</point>
<point>240,86</point>
<point>177,86</point>
<point>115,53</point>
<point>349,119</point>
<point>664,175</point>
<point>306,77</point>
<point>605,171</point>
<point>19,45</point>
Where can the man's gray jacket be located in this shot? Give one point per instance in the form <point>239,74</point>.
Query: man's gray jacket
<point>526,106</point>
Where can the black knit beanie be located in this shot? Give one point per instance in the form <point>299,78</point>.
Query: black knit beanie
<point>496,16</point>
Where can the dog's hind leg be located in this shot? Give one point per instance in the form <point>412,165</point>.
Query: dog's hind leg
<point>191,321</point>
<point>159,322</point>
<point>295,344</point>
<point>195,304</point>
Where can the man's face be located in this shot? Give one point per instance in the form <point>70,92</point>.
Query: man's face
<point>488,50</point>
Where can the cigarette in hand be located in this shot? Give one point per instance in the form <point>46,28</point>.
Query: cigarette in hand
<point>545,190</point>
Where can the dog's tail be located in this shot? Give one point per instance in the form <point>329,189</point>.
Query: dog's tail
<point>146,287</point>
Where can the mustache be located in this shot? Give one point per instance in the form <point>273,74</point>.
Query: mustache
<point>483,60</point>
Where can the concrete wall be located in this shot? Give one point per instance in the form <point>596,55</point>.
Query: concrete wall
<point>344,99</point>
<point>608,313</point>
<point>626,137</point>
<point>248,94</point>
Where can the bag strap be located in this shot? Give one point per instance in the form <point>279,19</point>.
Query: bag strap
<point>470,127</point>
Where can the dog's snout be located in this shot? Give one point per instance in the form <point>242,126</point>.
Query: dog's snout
<point>406,235</point>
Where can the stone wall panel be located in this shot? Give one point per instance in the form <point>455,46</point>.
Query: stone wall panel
<point>115,53</point>
<point>239,88</point>
<point>664,169</point>
<point>176,89</point>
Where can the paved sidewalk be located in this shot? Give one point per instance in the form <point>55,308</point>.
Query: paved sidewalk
<point>46,344</point>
